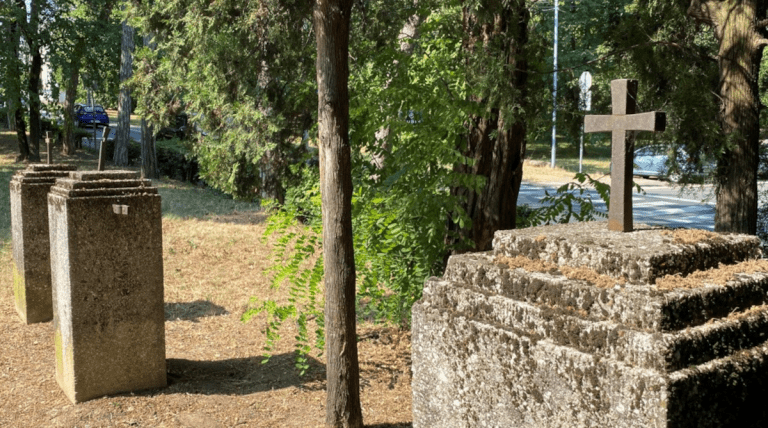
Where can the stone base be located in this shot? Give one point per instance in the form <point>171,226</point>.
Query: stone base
<point>496,345</point>
<point>468,373</point>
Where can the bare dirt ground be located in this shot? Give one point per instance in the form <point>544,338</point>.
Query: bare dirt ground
<point>212,266</point>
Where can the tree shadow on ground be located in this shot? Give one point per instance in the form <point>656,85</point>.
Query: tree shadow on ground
<point>404,425</point>
<point>238,376</point>
<point>192,311</point>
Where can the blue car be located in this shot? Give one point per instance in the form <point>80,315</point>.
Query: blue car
<point>93,116</point>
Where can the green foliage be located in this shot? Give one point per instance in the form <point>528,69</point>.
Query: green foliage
<point>245,72</point>
<point>298,264</point>
<point>571,201</point>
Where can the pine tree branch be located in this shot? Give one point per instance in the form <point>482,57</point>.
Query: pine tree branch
<point>620,51</point>
<point>762,23</point>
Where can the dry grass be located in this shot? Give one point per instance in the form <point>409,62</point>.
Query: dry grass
<point>540,172</point>
<point>213,260</point>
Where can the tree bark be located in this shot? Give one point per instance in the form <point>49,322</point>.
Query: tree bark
<point>148,152</point>
<point>123,137</point>
<point>331,22</point>
<point>13,85</point>
<point>149,167</point>
<point>69,145</point>
<point>33,84</point>
<point>741,45</point>
<point>496,146</point>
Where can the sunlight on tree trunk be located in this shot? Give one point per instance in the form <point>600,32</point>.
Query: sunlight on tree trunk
<point>123,137</point>
<point>495,44</point>
<point>69,144</point>
<point>331,21</point>
<point>741,45</point>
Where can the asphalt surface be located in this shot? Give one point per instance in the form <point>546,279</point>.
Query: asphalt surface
<point>661,204</point>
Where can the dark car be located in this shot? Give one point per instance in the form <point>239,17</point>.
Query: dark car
<point>180,130</point>
<point>91,115</point>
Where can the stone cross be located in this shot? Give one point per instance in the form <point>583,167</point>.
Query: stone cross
<point>621,124</point>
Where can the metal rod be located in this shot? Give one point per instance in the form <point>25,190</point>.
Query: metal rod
<point>48,146</point>
<point>102,151</point>
<point>554,93</point>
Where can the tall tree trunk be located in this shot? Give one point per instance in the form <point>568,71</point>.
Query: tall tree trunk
<point>21,132</point>
<point>124,106</point>
<point>736,27</point>
<point>496,146</point>
<point>331,21</point>
<point>33,87</point>
<point>13,83</point>
<point>149,167</point>
<point>69,144</point>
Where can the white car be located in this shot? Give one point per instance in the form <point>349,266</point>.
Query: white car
<point>652,161</point>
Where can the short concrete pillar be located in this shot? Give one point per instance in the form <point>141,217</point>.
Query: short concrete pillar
<point>107,274</point>
<point>31,249</point>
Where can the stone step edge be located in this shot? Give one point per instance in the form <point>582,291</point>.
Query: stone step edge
<point>101,192</point>
<point>583,374</point>
<point>650,349</point>
<point>640,256</point>
<point>639,306</point>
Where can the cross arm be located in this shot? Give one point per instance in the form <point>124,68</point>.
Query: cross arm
<point>655,121</point>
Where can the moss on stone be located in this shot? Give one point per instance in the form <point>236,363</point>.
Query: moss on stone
<point>19,290</point>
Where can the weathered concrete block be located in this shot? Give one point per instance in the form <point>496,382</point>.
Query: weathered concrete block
<point>31,247</point>
<point>107,273</point>
<point>496,345</point>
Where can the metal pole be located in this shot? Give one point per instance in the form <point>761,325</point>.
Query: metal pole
<point>581,147</point>
<point>102,150</point>
<point>554,93</point>
<point>48,146</point>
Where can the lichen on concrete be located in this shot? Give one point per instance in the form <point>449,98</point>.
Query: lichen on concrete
<point>108,283</point>
<point>526,345</point>
<point>29,231</point>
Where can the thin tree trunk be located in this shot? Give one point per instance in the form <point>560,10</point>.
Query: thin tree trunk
<point>148,152</point>
<point>124,106</point>
<point>331,21</point>
<point>13,85</point>
<point>21,132</point>
<point>149,168</point>
<point>497,147</point>
<point>735,23</point>
<point>69,145</point>
<point>33,84</point>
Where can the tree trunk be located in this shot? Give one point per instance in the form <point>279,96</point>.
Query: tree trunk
<point>331,21</point>
<point>148,152</point>
<point>33,84</point>
<point>69,145</point>
<point>735,23</point>
<point>497,147</point>
<point>124,106</point>
<point>21,132</point>
<point>13,85</point>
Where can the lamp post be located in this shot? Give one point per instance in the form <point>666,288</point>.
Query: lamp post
<point>554,93</point>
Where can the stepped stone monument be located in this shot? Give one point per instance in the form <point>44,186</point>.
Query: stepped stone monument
<point>107,275</point>
<point>31,248</point>
<point>601,324</point>
<point>579,326</point>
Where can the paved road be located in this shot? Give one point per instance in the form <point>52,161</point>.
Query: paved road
<point>660,205</point>
<point>135,135</point>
